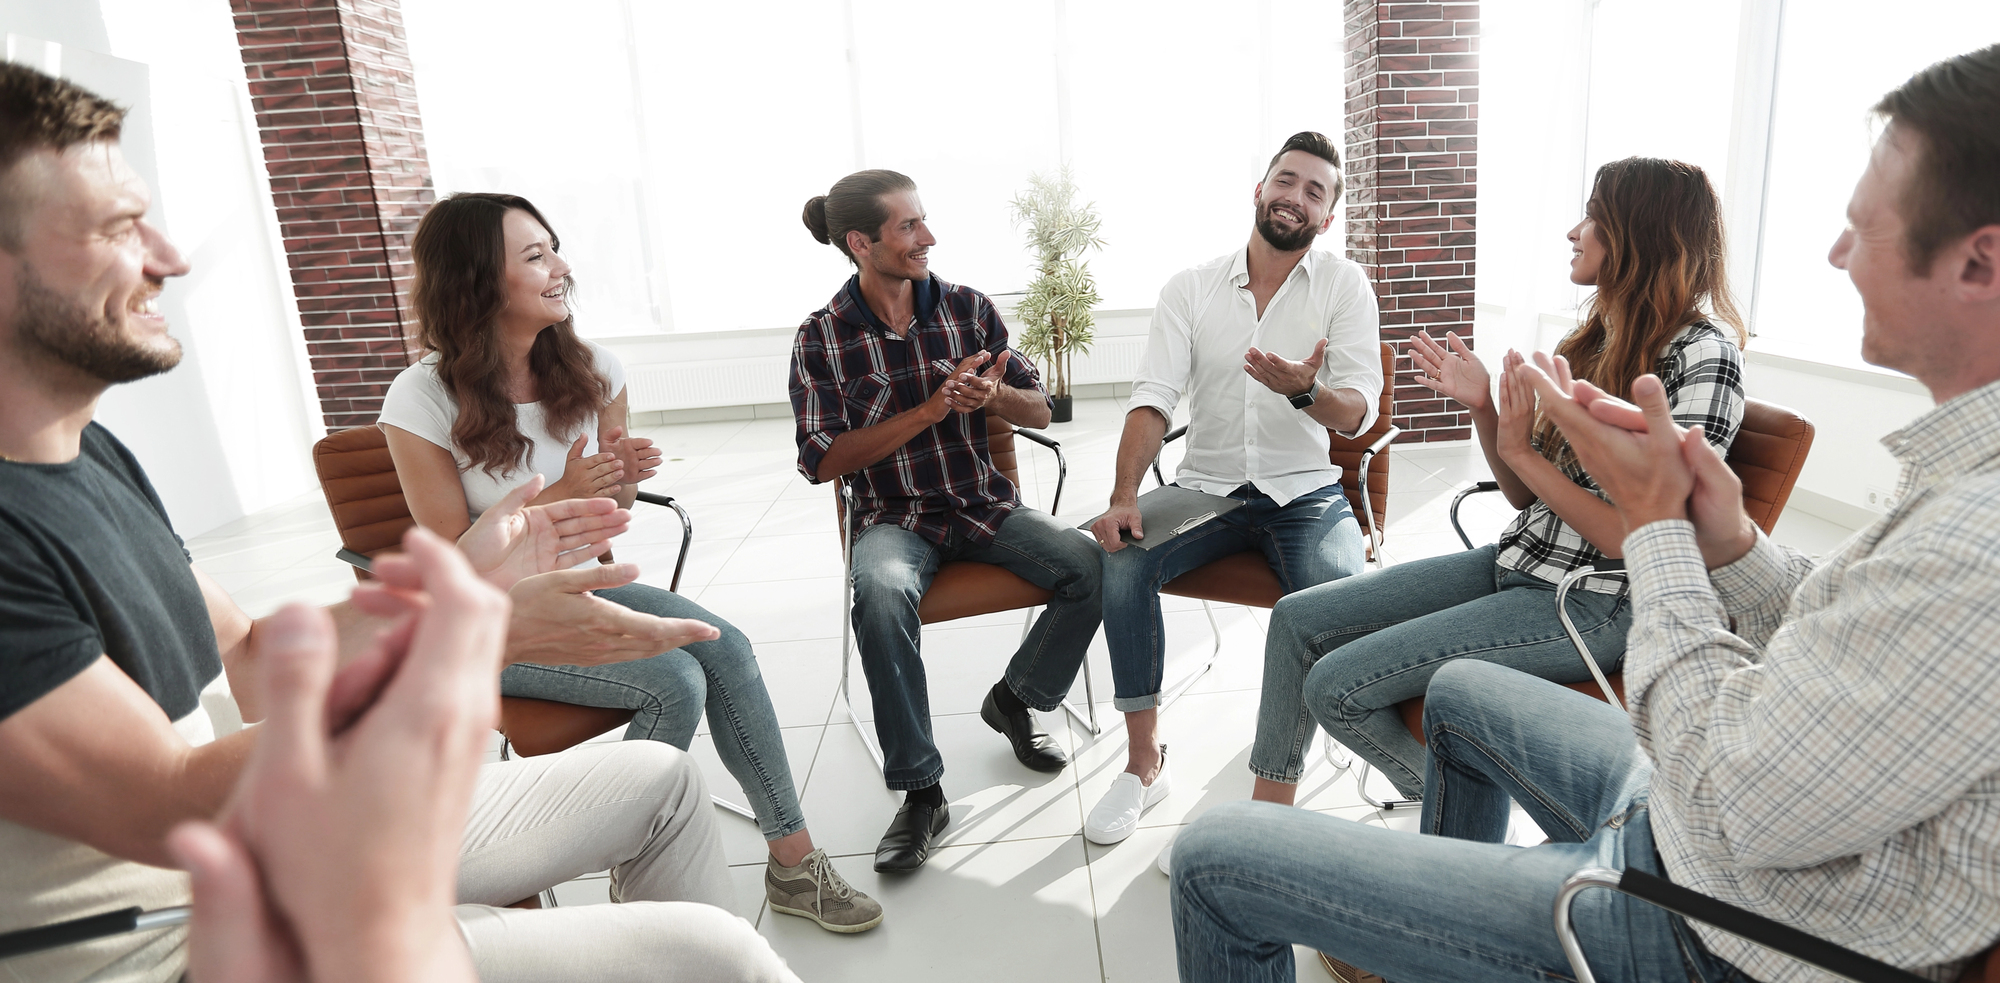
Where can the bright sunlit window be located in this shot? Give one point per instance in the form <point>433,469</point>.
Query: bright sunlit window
<point>1835,60</point>
<point>673,145</point>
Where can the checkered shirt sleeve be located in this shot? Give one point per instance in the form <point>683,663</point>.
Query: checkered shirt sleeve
<point>1703,374</point>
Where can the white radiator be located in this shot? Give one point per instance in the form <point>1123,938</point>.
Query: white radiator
<point>709,382</point>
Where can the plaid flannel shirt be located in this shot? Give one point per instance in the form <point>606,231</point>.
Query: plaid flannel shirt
<point>850,371</point>
<point>1833,760</point>
<point>1703,374</point>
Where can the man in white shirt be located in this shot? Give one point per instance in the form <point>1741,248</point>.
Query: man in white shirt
<point>1273,345</point>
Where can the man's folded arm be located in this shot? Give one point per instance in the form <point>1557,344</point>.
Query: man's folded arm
<point>1857,722</point>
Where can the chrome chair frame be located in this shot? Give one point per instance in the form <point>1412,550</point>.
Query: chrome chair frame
<point>848,647</point>
<point>1662,893</point>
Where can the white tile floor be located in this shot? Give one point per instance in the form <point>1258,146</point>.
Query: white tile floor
<point>1013,868</point>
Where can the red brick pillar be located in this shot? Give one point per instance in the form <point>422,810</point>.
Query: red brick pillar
<point>1412,159</point>
<point>331,84</point>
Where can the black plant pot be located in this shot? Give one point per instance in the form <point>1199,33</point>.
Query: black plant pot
<point>1059,413</point>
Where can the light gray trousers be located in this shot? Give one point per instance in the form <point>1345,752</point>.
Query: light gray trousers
<point>639,809</point>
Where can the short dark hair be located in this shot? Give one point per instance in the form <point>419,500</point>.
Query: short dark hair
<point>39,111</point>
<point>1316,144</point>
<point>854,205</point>
<point>1952,109</point>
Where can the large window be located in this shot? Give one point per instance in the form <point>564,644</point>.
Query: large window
<point>1835,60</point>
<point>673,145</point>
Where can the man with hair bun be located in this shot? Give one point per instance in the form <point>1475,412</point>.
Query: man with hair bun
<point>1811,740</point>
<point>891,384</point>
<point>1271,345</point>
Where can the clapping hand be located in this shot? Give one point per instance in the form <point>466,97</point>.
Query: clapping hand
<point>968,391</point>
<point>514,540</point>
<point>1450,369</point>
<point>1515,407</point>
<point>595,476</point>
<point>637,456</point>
<point>337,855</point>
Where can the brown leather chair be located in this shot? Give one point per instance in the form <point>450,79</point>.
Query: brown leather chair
<point>366,498</point>
<point>1246,578</point>
<point>1767,455</point>
<point>961,588</point>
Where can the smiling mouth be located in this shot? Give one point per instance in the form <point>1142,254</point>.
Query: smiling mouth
<point>147,306</point>
<point>1296,218</point>
<point>556,294</point>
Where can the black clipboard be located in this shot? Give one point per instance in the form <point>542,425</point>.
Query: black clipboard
<point>1170,510</point>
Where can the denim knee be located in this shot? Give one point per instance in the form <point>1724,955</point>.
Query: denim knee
<point>879,594</point>
<point>1459,684</point>
<point>1328,685</point>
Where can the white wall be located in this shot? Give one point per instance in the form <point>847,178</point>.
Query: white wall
<point>229,432</point>
<point>1852,410</point>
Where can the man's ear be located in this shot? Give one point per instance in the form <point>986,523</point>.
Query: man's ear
<point>1979,265</point>
<point>858,243</point>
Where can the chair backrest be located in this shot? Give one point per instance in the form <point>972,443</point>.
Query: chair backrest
<point>1345,452</point>
<point>359,480</point>
<point>1767,455</point>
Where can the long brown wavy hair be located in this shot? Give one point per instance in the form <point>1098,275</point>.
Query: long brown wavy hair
<point>1664,269</point>
<point>458,290</point>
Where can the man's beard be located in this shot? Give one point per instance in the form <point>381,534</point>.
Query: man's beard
<point>48,324</point>
<point>1280,240</point>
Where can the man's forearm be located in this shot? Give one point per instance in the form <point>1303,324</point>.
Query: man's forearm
<point>1340,410</point>
<point>1145,427</point>
<point>1020,407</point>
<point>853,450</point>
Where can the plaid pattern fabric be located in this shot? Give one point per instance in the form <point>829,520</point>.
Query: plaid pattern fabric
<point>1703,373</point>
<point>849,371</point>
<point>1833,762</point>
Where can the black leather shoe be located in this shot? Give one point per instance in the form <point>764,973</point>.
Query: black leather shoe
<point>1034,747</point>
<point>907,843</point>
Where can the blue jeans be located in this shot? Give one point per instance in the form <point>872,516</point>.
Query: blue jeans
<point>668,692</point>
<point>1308,541</point>
<point>1349,651</point>
<point>894,566</point>
<point>1251,878</point>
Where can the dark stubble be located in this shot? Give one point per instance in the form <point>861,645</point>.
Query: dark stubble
<point>52,326</point>
<point>1282,241</point>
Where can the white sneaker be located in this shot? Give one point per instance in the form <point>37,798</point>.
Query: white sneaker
<point>1117,814</point>
<point>1166,861</point>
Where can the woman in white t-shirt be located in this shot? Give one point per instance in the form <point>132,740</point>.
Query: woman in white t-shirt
<point>508,390</point>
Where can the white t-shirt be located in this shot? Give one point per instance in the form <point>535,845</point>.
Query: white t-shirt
<point>418,403</point>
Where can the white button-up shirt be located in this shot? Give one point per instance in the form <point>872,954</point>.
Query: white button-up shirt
<point>1239,431</point>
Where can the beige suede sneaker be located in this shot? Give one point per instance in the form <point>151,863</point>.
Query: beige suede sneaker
<point>815,890</point>
<point>1345,973</point>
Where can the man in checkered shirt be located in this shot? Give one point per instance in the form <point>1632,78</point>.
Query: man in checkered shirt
<point>892,384</point>
<point>1815,742</point>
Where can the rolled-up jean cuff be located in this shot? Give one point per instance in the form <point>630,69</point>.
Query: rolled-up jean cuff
<point>905,785</point>
<point>1273,776</point>
<point>1133,704</point>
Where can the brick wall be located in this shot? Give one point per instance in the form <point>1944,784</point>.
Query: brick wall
<point>331,84</point>
<point>1412,174</point>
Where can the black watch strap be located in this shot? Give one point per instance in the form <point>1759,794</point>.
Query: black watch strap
<point>1304,399</point>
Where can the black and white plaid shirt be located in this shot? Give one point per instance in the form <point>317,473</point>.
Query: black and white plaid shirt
<point>1832,760</point>
<point>1703,373</point>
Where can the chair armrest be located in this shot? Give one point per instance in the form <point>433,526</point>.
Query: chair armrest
<point>1662,893</point>
<point>1172,435</point>
<point>1604,567</point>
<point>1382,443</point>
<point>1477,489</point>
<point>1062,463</point>
<point>687,532</point>
<point>357,560</point>
<point>133,919</point>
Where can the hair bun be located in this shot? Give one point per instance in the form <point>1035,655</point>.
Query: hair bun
<point>815,218</point>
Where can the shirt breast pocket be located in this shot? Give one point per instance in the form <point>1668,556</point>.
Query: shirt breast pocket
<point>868,399</point>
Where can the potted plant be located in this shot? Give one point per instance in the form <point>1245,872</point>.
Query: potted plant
<point>1054,316</point>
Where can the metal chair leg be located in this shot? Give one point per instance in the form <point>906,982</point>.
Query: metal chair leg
<point>847,627</point>
<point>1386,805</point>
<point>1177,690</point>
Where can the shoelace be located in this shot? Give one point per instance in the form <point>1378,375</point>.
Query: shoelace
<point>820,867</point>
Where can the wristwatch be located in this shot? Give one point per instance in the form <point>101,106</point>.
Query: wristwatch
<point>1304,399</point>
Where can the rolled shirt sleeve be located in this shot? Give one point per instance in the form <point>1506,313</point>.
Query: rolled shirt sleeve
<point>1164,369</point>
<point>816,401</point>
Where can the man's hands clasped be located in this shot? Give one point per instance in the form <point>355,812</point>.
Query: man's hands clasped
<point>968,390</point>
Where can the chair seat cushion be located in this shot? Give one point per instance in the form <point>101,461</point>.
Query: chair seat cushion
<point>963,589</point>
<point>1244,578</point>
<point>545,726</point>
